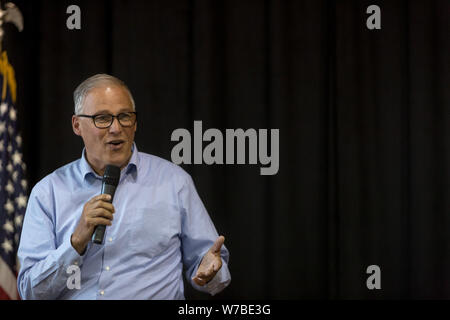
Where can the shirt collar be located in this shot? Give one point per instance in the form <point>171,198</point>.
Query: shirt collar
<point>133,164</point>
<point>131,168</point>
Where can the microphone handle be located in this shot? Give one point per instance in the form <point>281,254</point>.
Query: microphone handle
<point>99,232</point>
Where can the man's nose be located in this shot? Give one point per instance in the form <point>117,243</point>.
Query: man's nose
<point>115,126</point>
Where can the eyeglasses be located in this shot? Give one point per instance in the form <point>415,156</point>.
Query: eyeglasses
<point>103,121</point>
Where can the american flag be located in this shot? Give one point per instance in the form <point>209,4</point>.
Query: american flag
<point>13,185</point>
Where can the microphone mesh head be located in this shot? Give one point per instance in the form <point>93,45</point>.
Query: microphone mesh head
<point>111,175</point>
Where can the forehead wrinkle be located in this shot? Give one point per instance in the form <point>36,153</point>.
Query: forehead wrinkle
<point>121,110</point>
<point>103,99</point>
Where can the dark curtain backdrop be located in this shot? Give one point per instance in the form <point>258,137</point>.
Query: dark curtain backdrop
<point>363,118</point>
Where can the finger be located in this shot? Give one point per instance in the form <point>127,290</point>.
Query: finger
<point>218,244</point>
<point>103,221</point>
<point>199,281</point>
<point>105,205</point>
<point>101,213</point>
<point>210,271</point>
<point>104,197</point>
<point>218,265</point>
<point>206,273</point>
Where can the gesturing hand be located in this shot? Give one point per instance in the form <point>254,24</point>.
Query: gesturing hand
<point>211,263</point>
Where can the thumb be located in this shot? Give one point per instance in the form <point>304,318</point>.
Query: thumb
<point>218,244</point>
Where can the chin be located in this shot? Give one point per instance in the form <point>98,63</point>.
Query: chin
<point>119,160</point>
<point>119,164</point>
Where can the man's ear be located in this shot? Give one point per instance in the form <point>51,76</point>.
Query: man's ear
<point>76,125</point>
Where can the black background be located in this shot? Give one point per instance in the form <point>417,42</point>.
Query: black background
<point>363,118</point>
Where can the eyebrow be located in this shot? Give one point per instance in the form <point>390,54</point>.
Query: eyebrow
<point>103,111</point>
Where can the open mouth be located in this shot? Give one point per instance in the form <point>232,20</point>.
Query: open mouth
<point>116,144</point>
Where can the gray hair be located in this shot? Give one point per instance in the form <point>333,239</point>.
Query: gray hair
<point>96,81</point>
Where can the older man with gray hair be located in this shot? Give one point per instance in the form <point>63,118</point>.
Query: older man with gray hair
<point>156,223</point>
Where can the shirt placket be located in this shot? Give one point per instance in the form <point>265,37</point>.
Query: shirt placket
<point>106,267</point>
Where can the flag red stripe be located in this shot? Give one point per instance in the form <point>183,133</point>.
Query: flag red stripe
<point>3,295</point>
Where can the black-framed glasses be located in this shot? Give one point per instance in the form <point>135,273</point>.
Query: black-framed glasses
<point>103,121</point>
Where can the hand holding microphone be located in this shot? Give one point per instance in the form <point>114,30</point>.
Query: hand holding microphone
<point>110,181</point>
<point>97,213</point>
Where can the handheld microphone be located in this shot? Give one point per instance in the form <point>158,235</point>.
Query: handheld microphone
<point>110,182</point>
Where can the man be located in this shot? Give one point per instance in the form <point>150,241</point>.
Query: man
<point>156,223</point>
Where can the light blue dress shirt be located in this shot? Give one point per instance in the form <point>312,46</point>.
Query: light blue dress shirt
<point>160,224</point>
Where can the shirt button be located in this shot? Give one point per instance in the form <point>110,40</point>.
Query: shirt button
<point>102,292</point>
<point>107,268</point>
<point>110,239</point>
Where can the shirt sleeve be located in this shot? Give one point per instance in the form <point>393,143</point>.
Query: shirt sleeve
<point>198,235</point>
<point>43,266</point>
